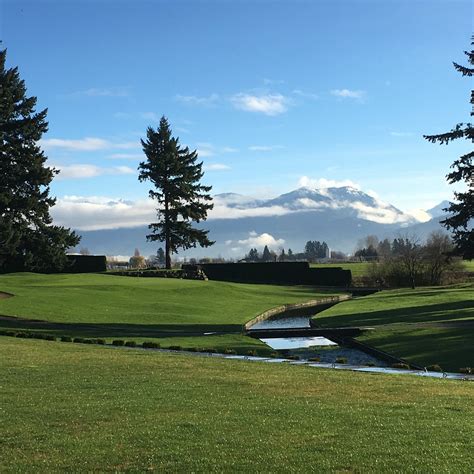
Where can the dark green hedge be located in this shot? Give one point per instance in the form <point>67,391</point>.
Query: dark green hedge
<point>292,273</point>
<point>86,264</point>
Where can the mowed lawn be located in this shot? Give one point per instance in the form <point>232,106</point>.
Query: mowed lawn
<point>425,326</point>
<point>424,304</point>
<point>171,312</point>
<point>70,407</point>
<point>98,298</point>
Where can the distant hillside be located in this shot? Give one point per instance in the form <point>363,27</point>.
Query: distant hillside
<point>339,216</point>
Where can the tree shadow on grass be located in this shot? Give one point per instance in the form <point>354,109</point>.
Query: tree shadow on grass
<point>450,348</point>
<point>118,330</point>
<point>413,314</point>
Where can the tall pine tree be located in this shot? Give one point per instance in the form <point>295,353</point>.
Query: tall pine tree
<point>28,240</point>
<point>461,213</point>
<point>182,199</point>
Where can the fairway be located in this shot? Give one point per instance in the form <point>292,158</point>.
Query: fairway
<point>95,298</point>
<point>170,311</point>
<point>106,409</point>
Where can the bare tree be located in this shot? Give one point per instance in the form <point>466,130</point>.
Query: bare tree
<point>437,256</point>
<point>409,253</point>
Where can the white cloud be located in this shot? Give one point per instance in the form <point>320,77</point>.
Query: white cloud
<point>305,95</point>
<point>269,104</point>
<point>195,100</point>
<point>81,171</point>
<point>265,148</point>
<point>255,240</point>
<point>321,183</point>
<point>98,212</point>
<point>206,149</point>
<point>126,156</point>
<point>85,144</point>
<point>221,211</point>
<point>216,167</point>
<point>419,214</point>
<point>102,92</point>
<point>348,94</point>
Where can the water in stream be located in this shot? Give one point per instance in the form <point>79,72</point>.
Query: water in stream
<point>310,347</point>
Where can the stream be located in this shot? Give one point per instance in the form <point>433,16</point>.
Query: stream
<point>322,348</point>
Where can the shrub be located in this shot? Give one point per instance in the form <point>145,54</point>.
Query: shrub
<point>131,344</point>
<point>229,351</point>
<point>211,350</point>
<point>369,363</point>
<point>401,365</point>
<point>192,349</point>
<point>118,342</point>
<point>66,339</point>
<point>434,368</point>
<point>252,353</point>
<point>467,370</point>
<point>150,345</point>
<point>49,337</point>
<point>78,340</point>
<point>314,359</point>
<point>293,357</point>
<point>273,355</point>
<point>100,341</point>
<point>175,348</point>
<point>341,360</point>
<point>22,334</point>
<point>88,341</point>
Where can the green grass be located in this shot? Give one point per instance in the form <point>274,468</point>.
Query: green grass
<point>425,326</point>
<point>361,269</point>
<point>85,408</point>
<point>433,304</point>
<point>451,348</point>
<point>468,265</point>
<point>170,311</point>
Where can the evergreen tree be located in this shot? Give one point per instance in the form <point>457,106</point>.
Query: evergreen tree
<point>266,255</point>
<point>160,256</point>
<point>28,240</point>
<point>175,174</point>
<point>253,255</point>
<point>461,213</point>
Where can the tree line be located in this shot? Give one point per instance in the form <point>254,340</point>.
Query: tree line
<point>313,251</point>
<point>407,261</point>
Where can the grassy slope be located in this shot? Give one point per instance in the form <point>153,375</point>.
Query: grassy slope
<point>105,299</point>
<point>403,306</point>
<point>451,348</point>
<point>168,310</point>
<point>416,318</point>
<point>87,408</point>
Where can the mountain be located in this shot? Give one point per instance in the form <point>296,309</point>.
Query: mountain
<point>438,210</point>
<point>338,215</point>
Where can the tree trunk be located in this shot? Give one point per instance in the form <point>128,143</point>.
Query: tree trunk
<point>167,237</point>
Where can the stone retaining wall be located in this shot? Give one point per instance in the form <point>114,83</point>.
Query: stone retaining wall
<point>291,309</point>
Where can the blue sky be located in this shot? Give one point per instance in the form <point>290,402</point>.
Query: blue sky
<point>273,94</point>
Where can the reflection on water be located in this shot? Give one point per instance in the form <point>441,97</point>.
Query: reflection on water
<point>284,323</point>
<point>291,342</point>
<point>297,342</point>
